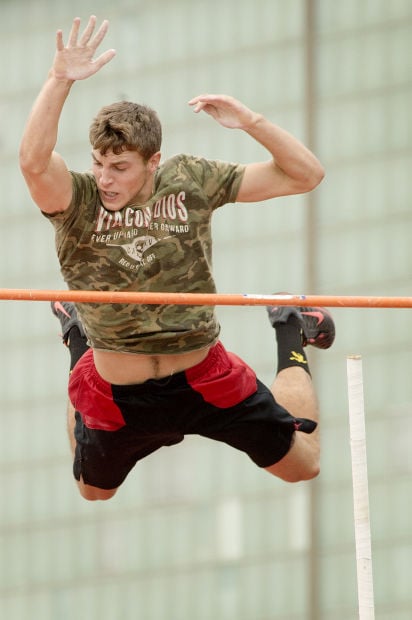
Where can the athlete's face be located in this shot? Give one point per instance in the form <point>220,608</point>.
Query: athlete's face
<point>123,179</point>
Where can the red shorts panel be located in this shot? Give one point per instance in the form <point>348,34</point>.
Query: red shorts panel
<point>92,396</point>
<point>223,379</point>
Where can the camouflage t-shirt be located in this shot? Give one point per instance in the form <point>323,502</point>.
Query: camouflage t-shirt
<point>162,245</point>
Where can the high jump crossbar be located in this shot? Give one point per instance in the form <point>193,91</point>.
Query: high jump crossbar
<point>205,299</point>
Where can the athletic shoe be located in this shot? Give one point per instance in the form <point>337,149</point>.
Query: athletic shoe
<point>67,315</point>
<point>318,328</point>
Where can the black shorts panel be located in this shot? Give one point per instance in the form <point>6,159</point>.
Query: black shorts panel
<point>104,458</point>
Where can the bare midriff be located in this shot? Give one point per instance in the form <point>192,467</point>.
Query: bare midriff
<point>129,368</point>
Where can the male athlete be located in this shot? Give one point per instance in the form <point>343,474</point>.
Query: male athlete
<point>144,376</point>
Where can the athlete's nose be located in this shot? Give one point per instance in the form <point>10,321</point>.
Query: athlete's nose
<point>105,178</point>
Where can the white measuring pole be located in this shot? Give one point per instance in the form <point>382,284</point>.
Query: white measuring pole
<point>360,488</point>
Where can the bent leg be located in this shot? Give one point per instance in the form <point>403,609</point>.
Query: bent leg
<point>293,389</point>
<point>74,338</point>
<point>86,490</point>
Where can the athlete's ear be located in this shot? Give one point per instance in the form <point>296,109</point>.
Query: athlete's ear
<point>154,161</point>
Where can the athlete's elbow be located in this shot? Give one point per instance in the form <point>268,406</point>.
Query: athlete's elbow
<point>28,165</point>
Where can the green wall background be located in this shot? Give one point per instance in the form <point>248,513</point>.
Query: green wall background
<point>197,532</point>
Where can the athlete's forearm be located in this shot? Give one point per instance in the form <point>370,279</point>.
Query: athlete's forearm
<point>288,153</point>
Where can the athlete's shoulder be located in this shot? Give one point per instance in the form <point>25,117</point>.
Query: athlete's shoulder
<point>179,162</point>
<point>215,179</point>
<point>184,167</point>
<point>84,187</point>
<point>83,180</point>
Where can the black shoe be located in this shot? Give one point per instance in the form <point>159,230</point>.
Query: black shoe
<point>318,328</point>
<point>67,315</point>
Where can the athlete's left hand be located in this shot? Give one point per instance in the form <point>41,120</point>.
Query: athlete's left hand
<point>226,110</point>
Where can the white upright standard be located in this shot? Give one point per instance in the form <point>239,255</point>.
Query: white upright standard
<point>360,488</point>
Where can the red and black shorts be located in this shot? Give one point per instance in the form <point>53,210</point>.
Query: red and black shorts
<point>220,398</point>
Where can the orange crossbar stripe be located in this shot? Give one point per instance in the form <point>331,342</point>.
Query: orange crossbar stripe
<point>205,299</point>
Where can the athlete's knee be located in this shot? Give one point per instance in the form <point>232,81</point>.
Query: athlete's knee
<point>93,494</point>
<point>308,473</point>
<point>309,468</point>
<point>297,474</point>
<point>295,468</point>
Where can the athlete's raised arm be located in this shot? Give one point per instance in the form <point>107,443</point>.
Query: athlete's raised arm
<point>293,169</point>
<point>44,170</point>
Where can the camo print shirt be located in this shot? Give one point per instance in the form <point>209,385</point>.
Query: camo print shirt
<point>162,245</point>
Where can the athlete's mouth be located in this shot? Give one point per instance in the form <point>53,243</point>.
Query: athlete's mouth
<point>109,195</point>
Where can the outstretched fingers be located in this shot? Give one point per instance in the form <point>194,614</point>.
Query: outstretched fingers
<point>100,34</point>
<point>87,39</point>
<point>74,32</point>
<point>93,43</point>
<point>59,41</point>
<point>104,58</point>
<point>88,31</point>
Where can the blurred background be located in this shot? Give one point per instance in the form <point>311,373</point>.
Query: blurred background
<point>198,532</point>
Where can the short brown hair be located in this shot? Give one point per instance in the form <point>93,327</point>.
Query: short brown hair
<point>126,126</point>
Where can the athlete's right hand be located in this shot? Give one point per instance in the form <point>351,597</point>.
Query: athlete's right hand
<point>75,61</point>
